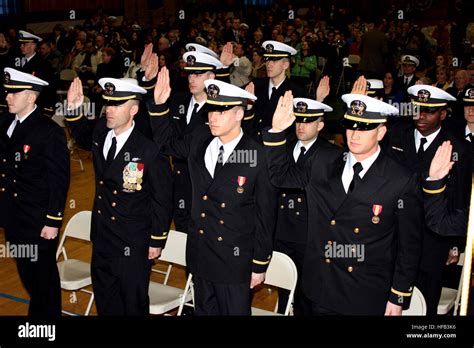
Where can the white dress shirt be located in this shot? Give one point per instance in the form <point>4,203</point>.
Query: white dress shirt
<point>299,144</point>
<point>18,119</point>
<point>467,132</point>
<point>191,108</point>
<point>348,173</point>
<point>407,79</point>
<point>121,140</point>
<point>429,139</point>
<point>212,152</point>
<point>271,85</point>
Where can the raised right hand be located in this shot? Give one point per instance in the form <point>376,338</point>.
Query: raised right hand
<point>162,88</point>
<point>146,56</point>
<point>75,97</point>
<point>441,163</point>
<point>283,116</point>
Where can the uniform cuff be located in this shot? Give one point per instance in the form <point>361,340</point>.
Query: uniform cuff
<point>158,240</point>
<point>260,265</point>
<point>157,110</point>
<point>144,83</point>
<point>54,220</point>
<point>434,187</point>
<point>273,139</point>
<point>401,298</point>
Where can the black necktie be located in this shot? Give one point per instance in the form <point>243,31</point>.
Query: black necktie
<point>273,92</point>
<point>301,156</point>
<point>421,148</point>
<point>220,161</point>
<point>111,153</point>
<point>356,178</point>
<point>195,110</point>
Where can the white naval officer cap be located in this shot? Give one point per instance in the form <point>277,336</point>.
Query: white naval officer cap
<point>16,81</point>
<point>375,87</point>
<point>427,96</point>
<point>410,60</point>
<point>275,50</point>
<point>309,110</point>
<point>365,113</point>
<point>223,96</point>
<point>198,63</point>
<point>195,47</point>
<point>119,91</point>
<point>28,37</point>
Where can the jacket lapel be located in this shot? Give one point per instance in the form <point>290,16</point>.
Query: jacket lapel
<point>335,182</point>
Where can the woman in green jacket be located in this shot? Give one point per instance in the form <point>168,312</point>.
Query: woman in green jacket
<point>305,65</point>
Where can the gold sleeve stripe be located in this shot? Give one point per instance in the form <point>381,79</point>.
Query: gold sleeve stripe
<point>249,117</point>
<point>263,263</point>
<point>433,192</point>
<point>74,118</point>
<point>54,217</point>
<point>222,75</point>
<point>149,87</point>
<point>159,113</point>
<point>267,143</point>
<point>158,238</point>
<point>396,292</point>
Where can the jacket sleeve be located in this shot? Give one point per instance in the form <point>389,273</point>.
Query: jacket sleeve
<point>439,218</point>
<point>162,196</point>
<point>282,173</point>
<point>266,208</point>
<point>410,236</point>
<point>57,166</point>
<point>165,134</point>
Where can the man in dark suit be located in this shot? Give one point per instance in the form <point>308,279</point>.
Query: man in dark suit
<point>292,223</point>
<point>408,79</point>
<point>269,90</point>
<point>132,204</point>
<point>33,63</point>
<point>414,145</point>
<point>468,131</point>
<point>233,215</point>
<point>364,237</point>
<point>187,112</point>
<point>33,189</point>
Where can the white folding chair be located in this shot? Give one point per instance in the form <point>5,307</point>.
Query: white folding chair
<point>417,304</point>
<point>451,297</point>
<point>163,297</point>
<point>281,273</point>
<point>76,274</point>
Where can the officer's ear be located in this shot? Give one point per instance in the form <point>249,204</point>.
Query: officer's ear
<point>286,63</point>
<point>381,130</point>
<point>134,108</point>
<point>32,96</point>
<point>443,114</point>
<point>320,124</point>
<point>239,115</point>
<point>212,76</point>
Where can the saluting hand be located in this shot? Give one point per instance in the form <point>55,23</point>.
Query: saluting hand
<point>441,163</point>
<point>75,97</point>
<point>162,87</point>
<point>283,116</point>
<point>323,89</point>
<point>360,86</point>
<point>227,55</point>
<point>257,278</point>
